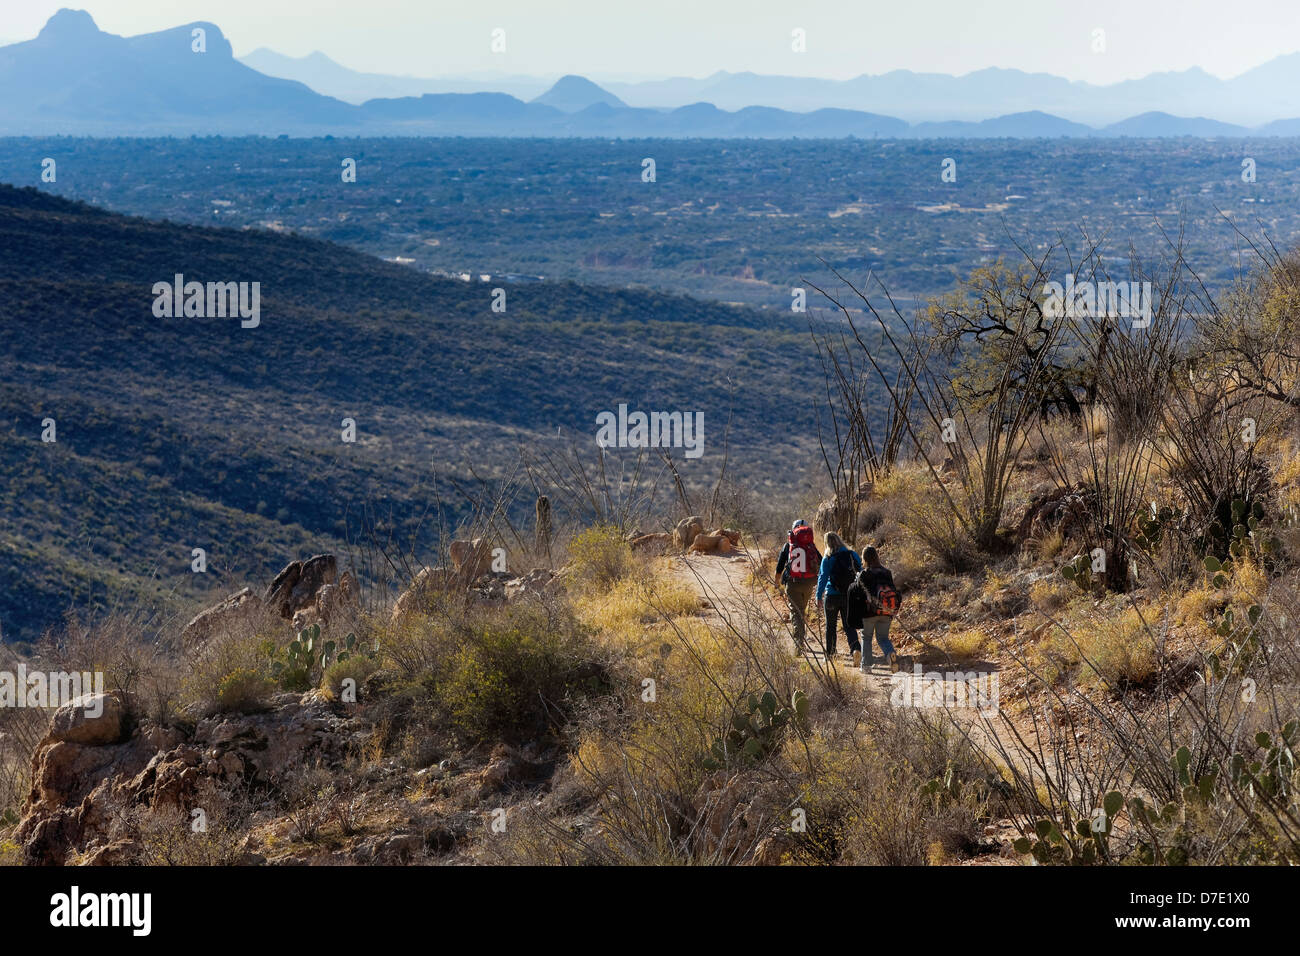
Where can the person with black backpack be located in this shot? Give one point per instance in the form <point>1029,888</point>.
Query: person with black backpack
<point>873,600</point>
<point>796,572</point>
<point>838,571</point>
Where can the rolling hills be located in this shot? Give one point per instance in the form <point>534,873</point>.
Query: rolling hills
<point>196,432</point>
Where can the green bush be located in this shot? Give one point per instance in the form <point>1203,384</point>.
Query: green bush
<point>600,557</point>
<point>358,668</point>
<point>515,676</point>
<point>244,690</point>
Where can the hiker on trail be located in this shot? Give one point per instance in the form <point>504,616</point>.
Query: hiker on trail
<point>873,602</point>
<point>796,572</point>
<point>838,571</point>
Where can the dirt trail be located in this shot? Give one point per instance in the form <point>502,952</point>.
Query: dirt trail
<point>732,590</point>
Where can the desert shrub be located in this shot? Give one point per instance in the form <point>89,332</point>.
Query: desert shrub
<point>625,610</point>
<point>178,836</point>
<point>222,656</point>
<point>1050,594</point>
<point>356,668</point>
<point>21,730</point>
<point>244,690</point>
<point>933,521</point>
<point>129,649</point>
<point>1106,649</point>
<point>1049,545</point>
<point>308,794</point>
<point>516,675</point>
<point>903,789</point>
<point>599,557</point>
<point>1120,649</point>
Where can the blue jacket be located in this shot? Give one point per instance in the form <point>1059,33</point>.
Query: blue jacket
<point>824,585</point>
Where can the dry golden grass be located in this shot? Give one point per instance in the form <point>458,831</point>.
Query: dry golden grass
<point>1049,546</point>
<point>1051,593</point>
<point>1100,647</point>
<point>1195,606</point>
<point>969,644</point>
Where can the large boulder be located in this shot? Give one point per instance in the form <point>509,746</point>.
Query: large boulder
<point>338,602</point>
<point>687,530</point>
<point>1063,509</point>
<point>239,611</point>
<point>471,559</point>
<point>92,719</point>
<point>833,514</point>
<point>424,589</point>
<point>296,587</point>
<point>721,541</point>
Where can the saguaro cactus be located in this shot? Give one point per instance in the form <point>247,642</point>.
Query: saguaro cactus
<point>544,527</point>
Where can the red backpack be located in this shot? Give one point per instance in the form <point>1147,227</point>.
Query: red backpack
<point>804,559</point>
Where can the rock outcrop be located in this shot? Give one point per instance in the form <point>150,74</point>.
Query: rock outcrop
<point>97,758</point>
<point>423,590</point>
<point>655,543</point>
<point>687,530</point>
<point>720,541</point>
<point>296,587</point>
<point>241,610</point>
<point>1058,509</point>
<point>471,559</point>
<point>835,513</point>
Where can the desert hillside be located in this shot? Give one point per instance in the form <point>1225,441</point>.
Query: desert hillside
<point>1092,523</point>
<point>176,433</point>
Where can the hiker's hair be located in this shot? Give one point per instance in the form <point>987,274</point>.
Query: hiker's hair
<point>870,556</point>
<point>834,542</point>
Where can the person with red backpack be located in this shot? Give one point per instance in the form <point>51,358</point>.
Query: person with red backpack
<point>796,572</point>
<point>873,602</point>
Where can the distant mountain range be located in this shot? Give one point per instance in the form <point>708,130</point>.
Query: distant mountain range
<point>1256,97</point>
<point>1261,95</point>
<point>77,80</point>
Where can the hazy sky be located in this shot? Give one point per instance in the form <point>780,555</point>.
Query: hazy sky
<point>697,37</point>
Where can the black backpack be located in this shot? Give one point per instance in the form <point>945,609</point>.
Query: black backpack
<point>842,571</point>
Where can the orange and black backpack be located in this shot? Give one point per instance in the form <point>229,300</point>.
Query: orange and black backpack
<point>881,595</point>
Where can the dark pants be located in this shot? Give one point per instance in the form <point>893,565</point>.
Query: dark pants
<point>835,608</point>
<point>799,591</point>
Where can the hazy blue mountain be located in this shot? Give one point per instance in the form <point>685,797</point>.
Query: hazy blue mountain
<point>575,93</point>
<point>326,76</point>
<point>461,114</point>
<point>74,78</point>
<point>1162,124</point>
<point>1286,127</point>
<point>1029,124</point>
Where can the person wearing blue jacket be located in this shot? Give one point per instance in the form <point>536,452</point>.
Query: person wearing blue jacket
<point>839,568</point>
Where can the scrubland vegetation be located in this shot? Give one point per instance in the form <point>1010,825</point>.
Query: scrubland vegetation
<point>1103,515</point>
